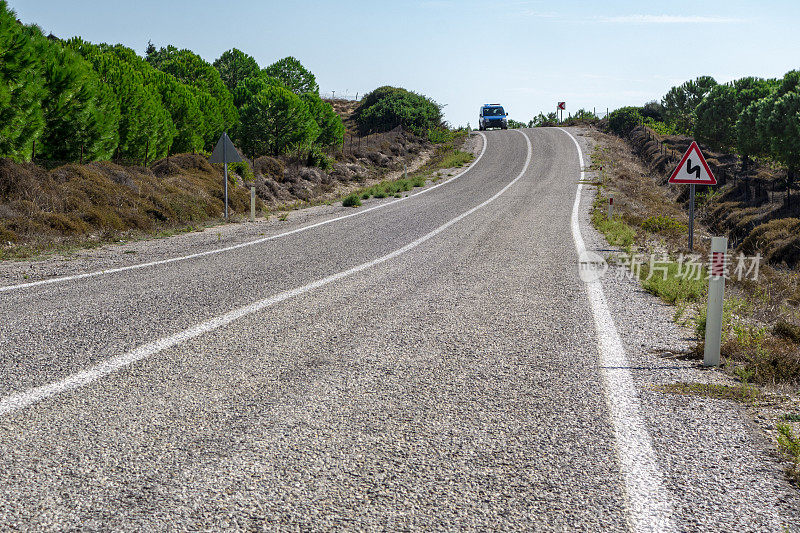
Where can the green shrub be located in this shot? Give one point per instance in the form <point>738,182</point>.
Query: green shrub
<point>388,107</point>
<point>317,158</point>
<point>662,128</point>
<point>352,200</point>
<point>670,287</point>
<point>663,224</point>
<point>440,135</point>
<point>616,232</point>
<point>623,120</point>
<point>243,169</point>
<point>456,159</point>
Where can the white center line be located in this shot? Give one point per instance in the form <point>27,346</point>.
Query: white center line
<point>20,400</point>
<point>63,279</point>
<point>650,505</point>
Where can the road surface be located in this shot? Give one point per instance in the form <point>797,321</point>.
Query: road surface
<point>433,362</point>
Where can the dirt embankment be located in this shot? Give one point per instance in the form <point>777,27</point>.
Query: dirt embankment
<point>753,206</point>
<point>101,201</point>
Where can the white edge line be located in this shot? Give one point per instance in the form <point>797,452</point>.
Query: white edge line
<point>650,505</point>
<point>20,400</point>
<point>62,279</point>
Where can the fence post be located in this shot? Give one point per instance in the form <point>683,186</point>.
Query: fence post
<point>252,204</point>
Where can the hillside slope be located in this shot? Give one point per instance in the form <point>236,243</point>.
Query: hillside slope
<point>100,201</point>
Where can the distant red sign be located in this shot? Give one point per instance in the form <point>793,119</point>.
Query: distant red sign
<point>562,106</point>
<point>693,169</point>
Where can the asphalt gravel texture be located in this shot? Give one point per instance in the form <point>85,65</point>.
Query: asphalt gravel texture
<point>454,387</point>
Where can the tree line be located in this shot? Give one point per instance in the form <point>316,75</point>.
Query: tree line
<point>65,99</point>
<point>751,116</point>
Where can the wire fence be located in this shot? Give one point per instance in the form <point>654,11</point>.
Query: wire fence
<point>748,186</point>
<point>373,140</point>
<point>342,95</point>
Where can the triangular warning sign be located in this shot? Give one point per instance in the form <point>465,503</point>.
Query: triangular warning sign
<point>225,151</point>
<point>693,168</point>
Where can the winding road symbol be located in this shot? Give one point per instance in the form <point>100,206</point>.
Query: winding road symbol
<point>697,174</point>
<point>692,169</point>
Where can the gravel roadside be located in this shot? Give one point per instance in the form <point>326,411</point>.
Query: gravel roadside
<point>717,462</point>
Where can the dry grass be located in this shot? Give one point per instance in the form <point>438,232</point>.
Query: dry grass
<point>640,203</point>
<point>82,205</point>
<point>762,335</point>
<point>778,241</point>
<point>98,201</point>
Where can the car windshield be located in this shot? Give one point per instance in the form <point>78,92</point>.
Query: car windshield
<point>493,111</point>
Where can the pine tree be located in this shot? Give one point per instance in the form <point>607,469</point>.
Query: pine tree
<point>235,66</point>
<point>21,89</point>
<point>330,124</point>
<point>293,75</point>
<point>276,122</point>
<point>146,129</point>
<point>191,69</point>
<point>80,118</point>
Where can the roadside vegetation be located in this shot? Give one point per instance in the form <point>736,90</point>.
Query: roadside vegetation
<point>761,335</point>
<point>761,317</point>
<point>99,143</point>
<point>446,155</point>
<point>580,117</point>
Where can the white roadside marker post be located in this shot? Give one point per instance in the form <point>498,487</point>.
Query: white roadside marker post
<point>610,207</point>
<point>716,295</point>
<point>252,204</point>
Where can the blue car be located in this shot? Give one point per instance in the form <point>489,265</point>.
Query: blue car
<point>492,116</point>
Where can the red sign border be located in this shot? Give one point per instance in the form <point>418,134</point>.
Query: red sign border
<point>692,147</point>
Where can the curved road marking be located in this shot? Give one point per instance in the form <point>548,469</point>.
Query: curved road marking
<point>20,400</point>
<point>63,279</point>
<point>650,503</point>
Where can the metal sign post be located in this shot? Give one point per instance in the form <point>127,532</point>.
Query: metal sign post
<point>225,152</point>
<point>225,164</point>
<point>691,217</point>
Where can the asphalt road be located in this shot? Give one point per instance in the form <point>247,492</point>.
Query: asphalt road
<point>435,363</point>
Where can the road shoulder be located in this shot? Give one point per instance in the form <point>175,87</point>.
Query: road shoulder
<point>719,467</point>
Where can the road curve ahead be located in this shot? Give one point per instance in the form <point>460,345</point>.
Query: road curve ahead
<point>435,363</point>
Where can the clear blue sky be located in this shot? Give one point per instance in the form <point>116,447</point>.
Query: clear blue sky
<point>524,54</point>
